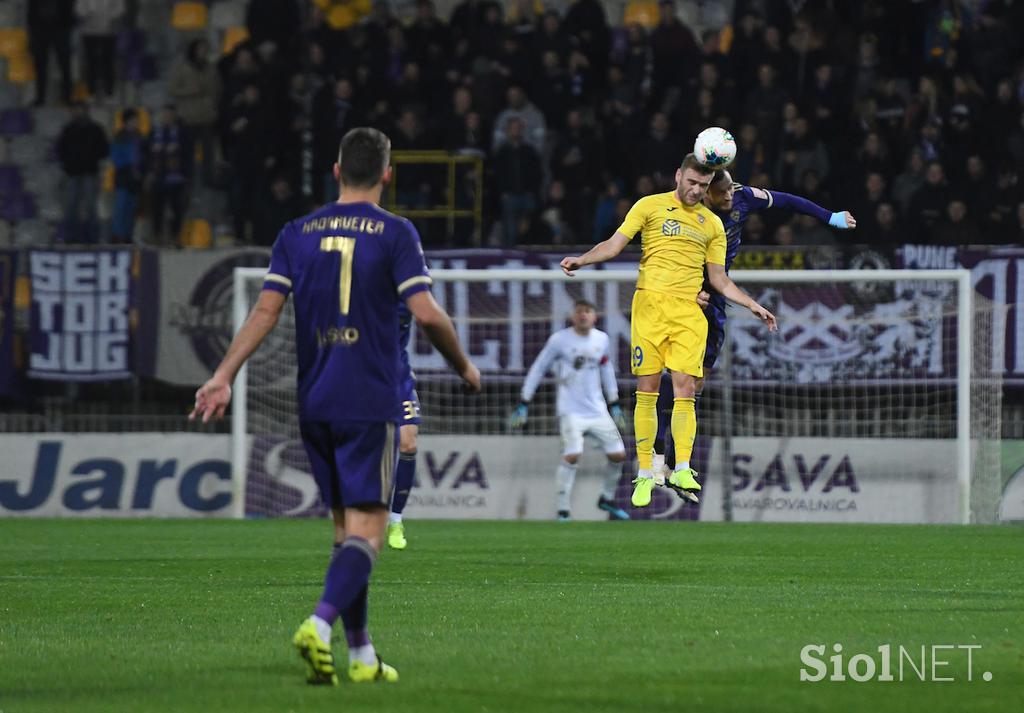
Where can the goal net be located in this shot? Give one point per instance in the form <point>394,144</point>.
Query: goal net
<point>876,401</point>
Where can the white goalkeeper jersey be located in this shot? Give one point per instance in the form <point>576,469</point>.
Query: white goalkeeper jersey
<point>582,369</point>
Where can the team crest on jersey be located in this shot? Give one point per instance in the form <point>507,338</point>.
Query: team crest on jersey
<point>700,218</point>
<point>671,227</point>
<point>734,216</point>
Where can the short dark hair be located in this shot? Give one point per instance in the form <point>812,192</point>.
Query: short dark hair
<point>363,157</point>
<point>690,161</point>
<point>584,303</point>
<point>721,176</point>
<point>128,114</point>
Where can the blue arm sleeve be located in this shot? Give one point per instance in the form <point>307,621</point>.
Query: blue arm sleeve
<point>787,201</point>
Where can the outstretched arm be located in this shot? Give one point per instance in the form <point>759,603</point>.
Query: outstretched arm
<point>724,285</point>
<point>214,396</point>
<point>787,201</point>
<point>601,252</point>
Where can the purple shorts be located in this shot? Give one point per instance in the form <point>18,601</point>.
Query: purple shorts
<point>353,462</point>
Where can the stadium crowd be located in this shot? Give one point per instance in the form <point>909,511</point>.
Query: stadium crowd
<point>908,114</point>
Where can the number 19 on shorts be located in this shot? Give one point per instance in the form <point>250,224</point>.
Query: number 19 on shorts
<point>638,356</point>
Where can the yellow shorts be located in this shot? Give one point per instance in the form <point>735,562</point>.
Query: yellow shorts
<point>668,332</point>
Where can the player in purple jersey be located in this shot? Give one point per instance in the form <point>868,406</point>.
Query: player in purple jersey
<point>405,473</point>
<point>734,203</point>
<point>348,266</point>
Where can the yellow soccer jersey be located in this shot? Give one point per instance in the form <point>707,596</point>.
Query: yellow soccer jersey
<point>677,241</point>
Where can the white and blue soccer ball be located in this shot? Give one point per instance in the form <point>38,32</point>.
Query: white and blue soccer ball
<point>715,147</point>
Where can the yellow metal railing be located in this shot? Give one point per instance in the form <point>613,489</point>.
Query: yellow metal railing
<point>448,210</point>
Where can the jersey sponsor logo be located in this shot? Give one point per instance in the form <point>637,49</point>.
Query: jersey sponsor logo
<point>671,227</point>
<point>337,336</point>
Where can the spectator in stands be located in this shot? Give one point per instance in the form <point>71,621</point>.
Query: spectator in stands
<point>887,228</point>
<point>81,146</point>
<point>928,204</point>
<point>273,20</point>
<point>49,27</point>
<point>1008,193</point>
<point>280,205</point>
<point>194,87</point>
<point>867,203</point>
<point>98,23</point>
<point>333,115</point>
<point>799,153</point>
<point>674,51</point>
<point>554,224</point>
<point>764,105</point>
<point>170,166</point>
<point>551,89</point>
<point>957,228</point>
<point>808,230</point>
<point>657,155</point>
<point>825,103</point>
<point>248,146</point>
<point>516,175</point>
<point>532,123</point>
<point>578,162</point>
<point>905,185</point>
<point>128,155</point>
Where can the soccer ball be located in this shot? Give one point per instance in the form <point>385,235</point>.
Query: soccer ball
<point>715,147</point>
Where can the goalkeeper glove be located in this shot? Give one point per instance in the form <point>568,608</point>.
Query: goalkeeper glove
<point>618,416</point>
<point>518,417</point>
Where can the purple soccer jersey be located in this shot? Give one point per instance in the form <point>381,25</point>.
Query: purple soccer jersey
<point>349,268</point>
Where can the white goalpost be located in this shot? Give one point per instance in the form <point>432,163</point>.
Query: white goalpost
<point>875,401</point>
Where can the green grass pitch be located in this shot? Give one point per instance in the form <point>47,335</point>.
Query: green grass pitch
<point>102,615</point>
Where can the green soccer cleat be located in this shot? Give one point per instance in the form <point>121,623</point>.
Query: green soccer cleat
<point>317,655</point>
<point>684,482</point>
<point>396,536</point>
<point>642,492</point>
<point>360,672</point>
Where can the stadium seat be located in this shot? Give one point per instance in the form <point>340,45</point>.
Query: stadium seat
<point>189,16</point>
<point>15,122</point>
<point>21,69</point>
<point>17,207</point>
<point>641,12</point>
<point>341,17</point>
<point>13,41</point>
<point>233,36</point>
<point>196,234</point>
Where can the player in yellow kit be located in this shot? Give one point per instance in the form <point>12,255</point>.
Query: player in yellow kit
<point>680,237</point>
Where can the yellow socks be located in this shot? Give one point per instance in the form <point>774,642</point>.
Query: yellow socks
<point>684,428</point>
<point>645,426</point>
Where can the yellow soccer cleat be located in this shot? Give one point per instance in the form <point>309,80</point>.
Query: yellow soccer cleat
<point>642,492</point>
<point>317,655</point>
<point>360,672</point>
<point>684,482</point>
<point>396,536</point>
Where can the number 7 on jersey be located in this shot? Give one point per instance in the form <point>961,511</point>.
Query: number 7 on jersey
<point>347,248</point>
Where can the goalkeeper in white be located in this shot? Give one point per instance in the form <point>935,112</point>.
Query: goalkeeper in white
<point>578,357</point>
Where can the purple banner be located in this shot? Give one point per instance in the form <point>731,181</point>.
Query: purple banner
<point>858,333</point>
<point>9,380</point>
<point>80,314</point>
